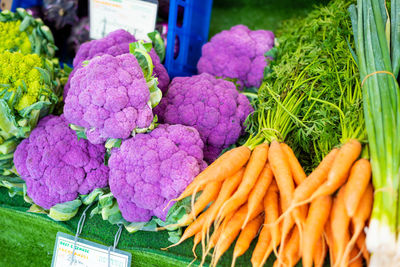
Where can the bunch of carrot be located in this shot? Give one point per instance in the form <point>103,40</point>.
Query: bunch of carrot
<point>266,192</point>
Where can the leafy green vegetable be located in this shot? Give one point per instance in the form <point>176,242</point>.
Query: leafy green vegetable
<point>315,68</point>
<point>378,55</point>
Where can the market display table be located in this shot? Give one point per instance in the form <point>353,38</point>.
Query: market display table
<point>27,239</point>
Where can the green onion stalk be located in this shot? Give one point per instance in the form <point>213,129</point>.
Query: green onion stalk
<point>377,38</point>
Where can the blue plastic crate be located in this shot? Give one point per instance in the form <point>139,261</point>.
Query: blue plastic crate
<point>25,4</point>
<point>191,35</point>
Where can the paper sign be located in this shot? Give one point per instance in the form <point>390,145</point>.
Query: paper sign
<point>5,4</point>
<point>87,254</point>
<point>136,16</point>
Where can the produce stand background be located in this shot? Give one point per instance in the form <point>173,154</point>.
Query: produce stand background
<point>28,239</point>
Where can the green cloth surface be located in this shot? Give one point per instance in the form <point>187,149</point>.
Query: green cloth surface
<point>28,239</point>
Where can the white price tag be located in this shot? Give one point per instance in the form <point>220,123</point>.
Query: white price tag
<point>87,254</point>
<point>136,16</point>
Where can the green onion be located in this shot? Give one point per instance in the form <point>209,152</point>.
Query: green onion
<point>378,61</point>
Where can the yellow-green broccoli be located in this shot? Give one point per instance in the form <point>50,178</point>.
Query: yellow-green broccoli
<point>21,78</point>
<point>20,32</point>
<point>29,89</point>
<point>12,39</point>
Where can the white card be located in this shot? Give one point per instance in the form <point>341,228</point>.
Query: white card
<point>136,16</point>
<point>87,254</point>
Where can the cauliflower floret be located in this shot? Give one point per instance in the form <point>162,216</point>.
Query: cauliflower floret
<point>109,97</point>
<point>237,53</point>
<point>212,106</point>
<point>149,170</point>
<point>115,43</point>
<point>56,166</point>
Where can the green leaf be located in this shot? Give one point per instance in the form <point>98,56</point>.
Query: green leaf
<point>155,92</point>
<point>67,69</point>
<point>36,106</point>
<point>111,143</point>
<point>65,211</point>
<point>37,209</point>
<point>9,146</point>
<point>141,51</point>
<point>106,200</point>
<point>47,33</point>
<point>158,44</point>
<point>14,186</point>
<point>80,131</point>
<point>175,236</point>
<point>45,75</point>
<point>93,196</point>
<point>150,226</point>
<point>26,22</point>
<point>7,120</point>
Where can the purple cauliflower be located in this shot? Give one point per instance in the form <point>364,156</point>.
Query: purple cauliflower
<point>56,166</point>
<point>237,53</point>
<point>212,106</point>
<point>109,98</point>
<point>115,43</point>
<point>149,170</point>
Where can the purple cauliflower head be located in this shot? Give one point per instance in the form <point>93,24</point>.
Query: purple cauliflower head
<point>56,166</point>
<point>115,43</point>
<point>109,98</point>
<point>212,106</point>
<point>237,53</point>
<point>150,169</point>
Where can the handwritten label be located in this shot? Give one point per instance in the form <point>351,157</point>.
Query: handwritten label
<point>135,16</point>
<point>86,254</point>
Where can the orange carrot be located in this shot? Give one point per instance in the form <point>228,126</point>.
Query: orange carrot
<point>262,247</point>
<point>215,236</point>
<point>283,176</point>
<point>314,227</point>
<point>231,231</point>
<point>355,259</point>
<point>320,252</point>
<point>328,238</point>
<point>362,247</point>
<point>253,169</point>
<point>359,177</point>
<point>340,222</point>
<point>271,206</point>
<point>196,241</point>
<point>287,226</point>
<point>280,167</point>
<point>246,236</point>
<point>315,179</point>
<point>269,237</point>
<point>339,172</point>
<point>291,253</point>
<point>223,167</point>
<point>260,189</point>
<point>209,194</point>
<point>298,173</point>
<point>359,219</point>
<point>303,193</point>
<point>347,155</point>
<point>227,189</point>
